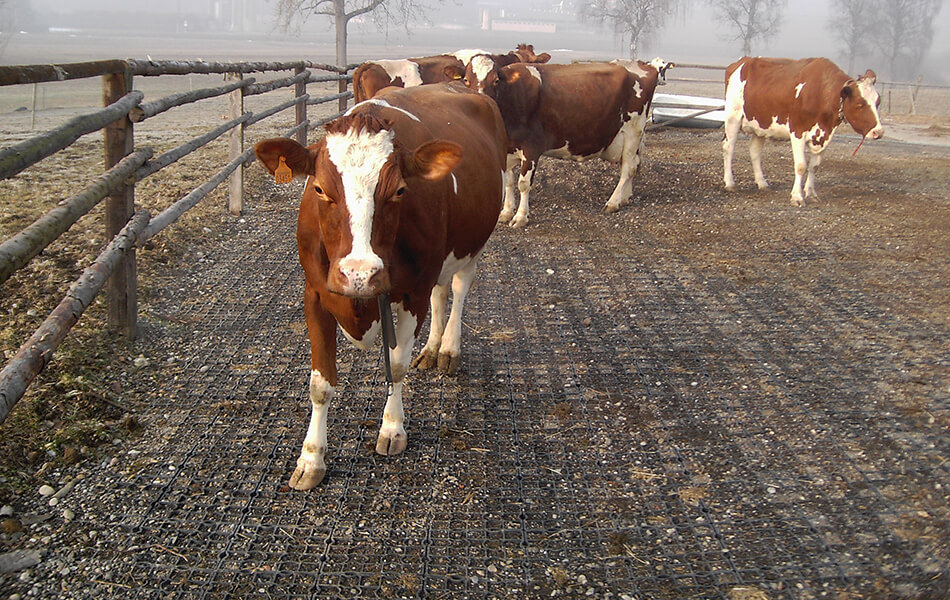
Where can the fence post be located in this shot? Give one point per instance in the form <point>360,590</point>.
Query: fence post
<point>341,104</point>
<point>236,147</point>
<point>300,89</point>
<point>118,142</point>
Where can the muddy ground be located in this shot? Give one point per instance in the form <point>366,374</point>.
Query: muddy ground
<point>706,395</point>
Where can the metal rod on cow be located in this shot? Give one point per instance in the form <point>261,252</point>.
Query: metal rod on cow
<point>389,332</point>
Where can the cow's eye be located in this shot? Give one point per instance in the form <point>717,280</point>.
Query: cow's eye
<point>318,189</point>
<point>399,193</point>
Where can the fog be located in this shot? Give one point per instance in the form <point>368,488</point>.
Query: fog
<point>68,30</point>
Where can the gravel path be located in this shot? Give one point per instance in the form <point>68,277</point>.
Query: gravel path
<point>706,395</point>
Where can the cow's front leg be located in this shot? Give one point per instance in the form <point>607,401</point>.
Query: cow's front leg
<point>311,467</point>
<point>798,157</point>
<point>528,165</point>
<point>392,433</point>
<point>511,187</point>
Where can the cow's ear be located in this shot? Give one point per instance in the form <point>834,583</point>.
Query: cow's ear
<point>542,58</point>
<point>846,91</point>
<point>870,75</point>
<point>453,72</point>
<point>507,59</point>
<point>275,151</point>
<point>433,160</point>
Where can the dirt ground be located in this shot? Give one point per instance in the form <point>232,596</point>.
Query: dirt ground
<point>705,395</point>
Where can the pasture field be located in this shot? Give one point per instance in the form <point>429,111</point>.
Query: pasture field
<point>705,395</point>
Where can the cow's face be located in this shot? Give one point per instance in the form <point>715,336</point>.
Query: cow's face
<point>859,103</point>
<point>481,75</point>
<point>358,178</point>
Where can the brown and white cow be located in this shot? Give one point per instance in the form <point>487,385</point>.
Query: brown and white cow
<point>577,111</point>
<point>801,100</point>
<point>372,76</point>
<point>401,196</point>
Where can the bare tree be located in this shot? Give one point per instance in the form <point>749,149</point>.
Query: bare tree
<point>905,32</point>
<point>852,23</point>
<point>752,20</point>
<point>633,20</point>
<point>385,12</point>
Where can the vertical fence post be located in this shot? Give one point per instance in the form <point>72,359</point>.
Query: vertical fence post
<point>300,89</point>
<point>118,142</point>
<point>236,147</point>
<point>342,87</point>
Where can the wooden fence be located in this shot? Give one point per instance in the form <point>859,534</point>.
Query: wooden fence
<point>125,165</point>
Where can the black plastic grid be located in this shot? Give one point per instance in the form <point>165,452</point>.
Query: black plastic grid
<point>692,437</point>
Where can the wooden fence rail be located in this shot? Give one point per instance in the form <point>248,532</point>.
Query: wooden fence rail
<point>126,165</point>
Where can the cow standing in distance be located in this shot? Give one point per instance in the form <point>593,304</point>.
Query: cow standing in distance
<point>374,75</point>
<point>401,196</point>
<point>799,100</point>
<point>577,111</point>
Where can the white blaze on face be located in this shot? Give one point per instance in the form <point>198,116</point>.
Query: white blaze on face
<point>482,66</point>
<point>870,95</point>
<point>405,69</point>
<point>359,157</point>
<point>465,56</point>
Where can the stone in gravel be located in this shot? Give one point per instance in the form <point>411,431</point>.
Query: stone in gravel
<point>6,511</point>
<point>68,515</point>
<point>18,560</point>
<point>46,490</point>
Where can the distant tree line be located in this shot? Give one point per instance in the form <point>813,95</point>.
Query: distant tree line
<point>893,34</point>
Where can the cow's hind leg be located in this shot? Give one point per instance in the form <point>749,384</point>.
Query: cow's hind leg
<point>814,160</point>
<point>732,125</point>
<point>428,357</point>
<point>755,153</point>
<point>450,350</point>
<point>798,157</point>
<point>629,164</point>
<point>392,433</point>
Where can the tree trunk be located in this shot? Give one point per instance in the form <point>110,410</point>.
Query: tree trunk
<point>341,20</point>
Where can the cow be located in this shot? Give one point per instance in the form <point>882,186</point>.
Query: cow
<point>372,76</point>
<point>799,100</point>
<point>577,111</point>
<point>401,195</point>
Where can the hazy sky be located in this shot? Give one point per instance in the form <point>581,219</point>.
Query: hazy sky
<point>689,38</point>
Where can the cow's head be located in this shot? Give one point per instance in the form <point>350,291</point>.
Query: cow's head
<point>358,177</point>
<point>481,74</point>
<point>661,67</point>
<point>859,105</point>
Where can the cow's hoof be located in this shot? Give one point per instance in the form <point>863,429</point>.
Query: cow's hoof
<point>763,186</point>
<point>611,208</point>
<point>391,446</point>
<point>426,360</point>
<point>505,216</point>
<point>518,222</point>
<point>448,363</point>
<point>307,476</point>
<point>731,188</point>
<point>797,202</point>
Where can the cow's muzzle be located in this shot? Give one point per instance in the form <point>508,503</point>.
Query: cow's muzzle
<point>359,278</point>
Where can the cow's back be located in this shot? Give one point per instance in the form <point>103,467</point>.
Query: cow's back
<point>574,100</point>
<point>795,93</point>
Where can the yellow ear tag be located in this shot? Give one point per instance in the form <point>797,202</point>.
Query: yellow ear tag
<point>283,174</point>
